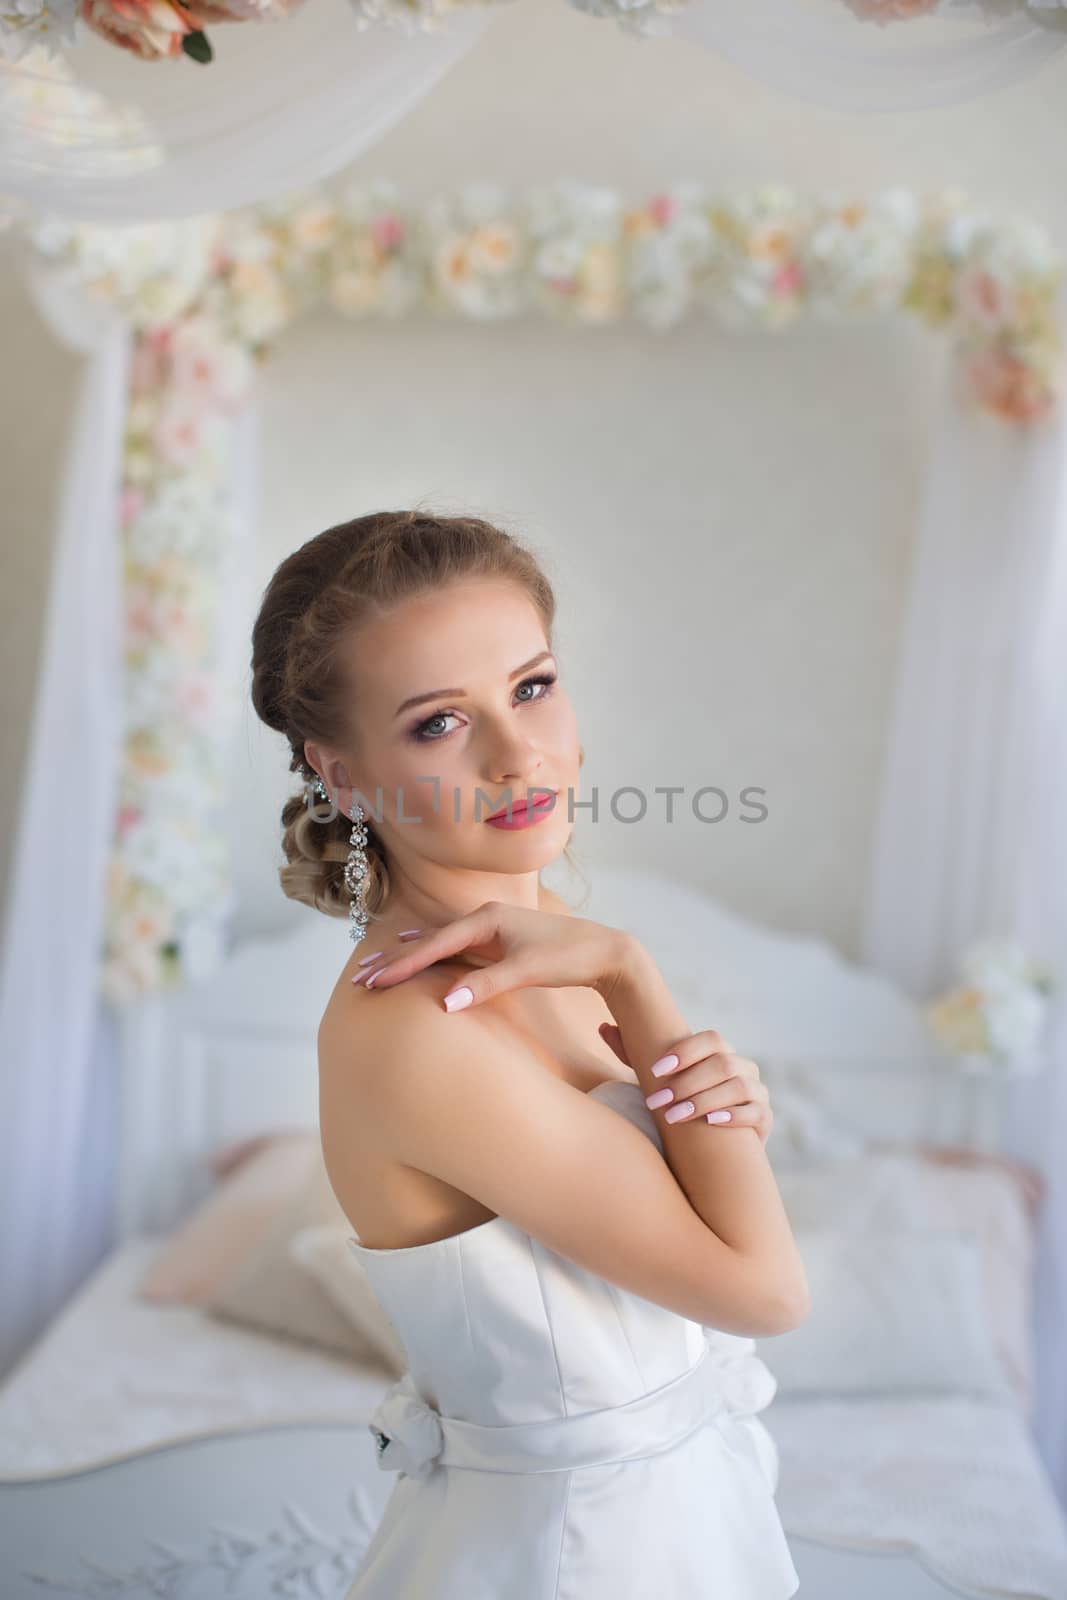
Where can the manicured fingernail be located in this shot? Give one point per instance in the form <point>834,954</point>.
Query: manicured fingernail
<point>362,962</point>
<point>662,1097</point>
<point>375,974</point>
<point>684,1108</point>
<point>458,999</point>
<point>409,933</point>
<point>664,1064</point>
<point>719,1116</point>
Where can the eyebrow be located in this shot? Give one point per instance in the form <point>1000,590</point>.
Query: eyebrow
<point>437,694</point>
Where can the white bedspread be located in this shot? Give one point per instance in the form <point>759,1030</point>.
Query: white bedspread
<point>113,1373</point>
<point>956,1481</point>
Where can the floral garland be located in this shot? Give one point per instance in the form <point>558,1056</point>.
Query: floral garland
<point>207,298</point>
<point>1049,13</point>
<point>157,30</point>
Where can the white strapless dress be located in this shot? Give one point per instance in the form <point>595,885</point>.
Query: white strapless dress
<point>559,1438</point>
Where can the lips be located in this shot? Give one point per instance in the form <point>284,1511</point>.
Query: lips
<point>519,808</point>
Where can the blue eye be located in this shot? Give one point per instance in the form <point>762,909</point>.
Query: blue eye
<point>423,736</point>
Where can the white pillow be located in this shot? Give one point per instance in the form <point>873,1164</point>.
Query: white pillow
<point>893,1312</point>
<point>893,1190</point>
<point>877,1189</point>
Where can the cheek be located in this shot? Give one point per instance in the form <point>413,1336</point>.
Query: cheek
<point>562,729</point>
<point>424,775</point>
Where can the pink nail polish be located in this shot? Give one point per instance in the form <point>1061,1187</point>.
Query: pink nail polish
<point>375,974</point>
<point>719,1116</point>
<point>409,933</point>
<point>664,1064</point>
<point>684,1108</point>
<point>458,999</point>
<point>662,1097</point>
<point>362,962</point>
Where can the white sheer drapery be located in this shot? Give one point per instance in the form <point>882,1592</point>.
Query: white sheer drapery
<point>282,106</point>
<point>820,51</point>
<point>971,839</point>
<point>56,1038</point>
<point>59,1040</point>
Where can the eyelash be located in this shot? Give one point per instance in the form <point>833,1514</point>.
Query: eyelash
<point>421,737</point>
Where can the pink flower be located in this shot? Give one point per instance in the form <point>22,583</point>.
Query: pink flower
<point>387,231</point>
<point>178,434</point>
<point>980,297</point>
<point>663,208</point>
<point>141,621</point>
<point>148,366</point>
<point>206,369</point>
<point>126,818</point>
<point>131,504</point>
<point>152,29</point>
<point>195,699</point>
<point>883,11</point>
<point>787,281</point>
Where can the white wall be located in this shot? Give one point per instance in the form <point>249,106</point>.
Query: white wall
<point>727,518</point>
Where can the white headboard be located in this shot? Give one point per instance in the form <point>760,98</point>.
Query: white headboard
<point>236,1056</point>
<point>221,1060</point>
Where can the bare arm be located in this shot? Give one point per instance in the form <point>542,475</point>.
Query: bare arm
<point>729,1182</point>
<point>458,1097</point>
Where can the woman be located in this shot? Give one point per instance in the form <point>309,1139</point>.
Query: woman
<point>577,1250</point>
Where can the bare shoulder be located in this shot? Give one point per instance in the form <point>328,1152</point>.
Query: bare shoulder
<point>377,1047</point>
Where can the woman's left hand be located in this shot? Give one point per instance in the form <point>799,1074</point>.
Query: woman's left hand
<point>711,1076</point>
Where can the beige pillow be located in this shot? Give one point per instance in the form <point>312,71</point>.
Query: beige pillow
<point>272,1291</point>
<point>202,1253</point>
<point>323,1253</point>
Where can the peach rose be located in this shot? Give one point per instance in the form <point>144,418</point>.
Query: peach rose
<point>152,29</point>
<point>1007,386</point>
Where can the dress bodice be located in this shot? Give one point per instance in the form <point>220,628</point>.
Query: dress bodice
<point>500,1329</point>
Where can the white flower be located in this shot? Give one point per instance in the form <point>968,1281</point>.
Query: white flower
<point>25,23</point>
<point>1013,1018</point>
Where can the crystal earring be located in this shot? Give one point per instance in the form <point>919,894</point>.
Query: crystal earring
<point>356,873</point>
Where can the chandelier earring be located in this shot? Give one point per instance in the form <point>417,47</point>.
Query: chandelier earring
<point>356,874</point>
<point>355,865</point>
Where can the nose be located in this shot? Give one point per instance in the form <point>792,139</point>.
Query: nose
<point>518,762</point>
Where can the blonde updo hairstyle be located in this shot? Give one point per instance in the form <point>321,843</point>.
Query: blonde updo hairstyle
<point>313,604</point>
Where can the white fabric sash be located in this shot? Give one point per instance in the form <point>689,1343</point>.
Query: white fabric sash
<point>414,1438</point>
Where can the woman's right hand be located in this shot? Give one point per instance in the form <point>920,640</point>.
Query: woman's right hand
<point>524,949</point>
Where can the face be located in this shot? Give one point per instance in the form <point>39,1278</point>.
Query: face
<point>490,722</point>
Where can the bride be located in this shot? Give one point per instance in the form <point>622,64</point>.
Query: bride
<point>559,1192</point>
